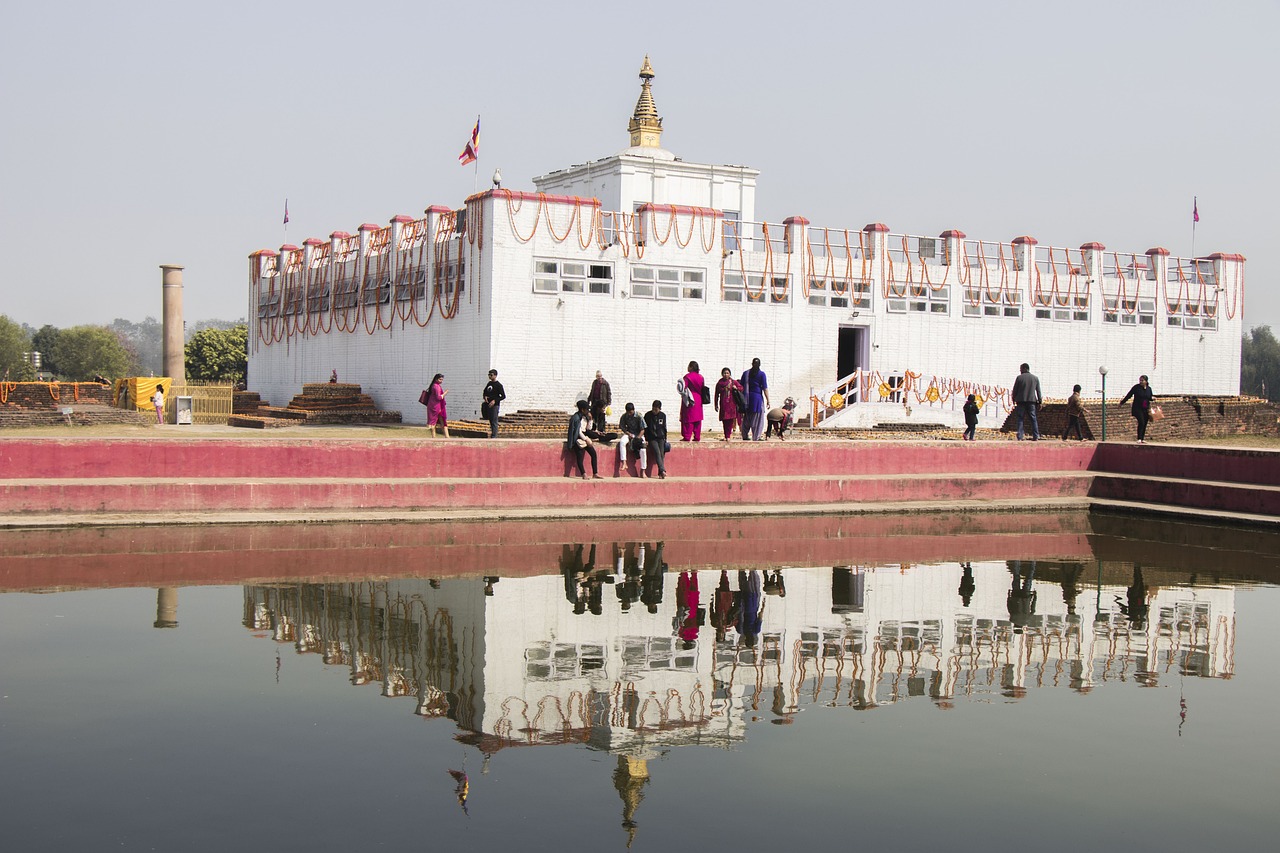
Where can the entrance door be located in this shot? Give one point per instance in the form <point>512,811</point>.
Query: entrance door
<point>852,353</point>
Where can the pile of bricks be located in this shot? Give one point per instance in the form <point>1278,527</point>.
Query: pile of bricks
<point>246,402</point>
<point>319,403</point>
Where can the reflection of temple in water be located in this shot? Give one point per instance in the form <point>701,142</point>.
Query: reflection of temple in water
<point>621,655</point>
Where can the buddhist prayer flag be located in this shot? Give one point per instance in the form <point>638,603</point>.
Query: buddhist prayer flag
<point>471,153</point>
<point>1195,209</point>
<point>286,211</point>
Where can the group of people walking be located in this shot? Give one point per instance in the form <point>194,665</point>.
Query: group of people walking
<point>1027,400</point>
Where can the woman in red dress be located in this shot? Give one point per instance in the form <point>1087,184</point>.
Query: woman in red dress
<point>725,403</point>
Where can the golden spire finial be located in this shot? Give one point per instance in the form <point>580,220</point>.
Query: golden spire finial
<point>630,777</point>
<point>645,126</point>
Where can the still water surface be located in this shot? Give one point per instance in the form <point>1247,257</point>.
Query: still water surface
<point>624,698</point>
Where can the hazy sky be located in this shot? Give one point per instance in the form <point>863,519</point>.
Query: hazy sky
<point>139,133</point>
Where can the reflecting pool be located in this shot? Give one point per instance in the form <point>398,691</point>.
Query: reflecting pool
<point>712,684</point>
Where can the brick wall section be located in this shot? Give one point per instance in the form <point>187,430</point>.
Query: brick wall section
<point>36,395</point>
<point>1186,418</point>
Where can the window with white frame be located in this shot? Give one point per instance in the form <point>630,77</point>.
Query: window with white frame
<point>754,289</point>
<point>294,300</point>
<point>268,299</point>
<point>346,292</point>
<point>1130,311</point>
<point>318,297</point>
<point>547,661</point>
<point>921,300</point>
<point>978,302</point>
<point>1195,317</point>
<point>668,283</point>
<point>571,277</point>
<point>412,284</point>
<point>1074,310</point>
<point>840,293</point>
<point>450,275</point>
<point>377,291</point>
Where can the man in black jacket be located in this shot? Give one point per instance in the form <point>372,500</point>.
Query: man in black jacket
<point>493,396</point>
<point>655,435</point>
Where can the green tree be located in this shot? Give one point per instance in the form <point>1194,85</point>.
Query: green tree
<point>83,352</point>
<point>14,344</point>
<point>1260,363</point>
<point>218,354</point>
<point>44,342</point>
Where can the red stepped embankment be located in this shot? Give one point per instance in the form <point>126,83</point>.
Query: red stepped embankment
<point>171,479</point>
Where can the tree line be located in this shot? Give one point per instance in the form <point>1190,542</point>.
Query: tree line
<point>216,350</point>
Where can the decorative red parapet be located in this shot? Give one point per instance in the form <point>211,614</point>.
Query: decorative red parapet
<point>877,227</point>
<point>369,226</point>
<point>1024,240</point>
<point>954,234</point>
<point>683,209</point>
<point>1095,246</point>
<point>402,219</point>
<point>519,196</point>
<point>1157,250</point>
<point>1224,256</point>
<point>339,235</point>
<point>261,261</point>
<point>795,220</point>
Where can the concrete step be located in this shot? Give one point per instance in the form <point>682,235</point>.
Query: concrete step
<point>176,495</point>
<point>1216,495</point>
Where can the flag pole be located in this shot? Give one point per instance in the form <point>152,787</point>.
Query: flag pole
<point>1195,217</point>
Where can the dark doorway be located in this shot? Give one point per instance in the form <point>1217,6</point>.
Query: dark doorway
<point>851,353</point>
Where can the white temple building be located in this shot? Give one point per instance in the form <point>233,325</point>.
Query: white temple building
<point>638,263</point>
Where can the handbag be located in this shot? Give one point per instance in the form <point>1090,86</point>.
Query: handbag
<point>666,446</point>
<point>422,398</point>
<point>1157,413</point>
<point>739,399</point>
<point>485,410</point>
<point>706,395</point>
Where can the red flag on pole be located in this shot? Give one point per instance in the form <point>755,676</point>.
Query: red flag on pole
<point>1195,209</point>
<point>471,153</point>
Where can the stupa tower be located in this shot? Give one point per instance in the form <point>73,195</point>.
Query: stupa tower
<point>645,125</point>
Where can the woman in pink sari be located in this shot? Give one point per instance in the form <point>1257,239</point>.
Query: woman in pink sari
<point>436,413</point>
<point>694,387</point>
<point>725,403</point>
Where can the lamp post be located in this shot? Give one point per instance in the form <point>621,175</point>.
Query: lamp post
<point>1103,372</point>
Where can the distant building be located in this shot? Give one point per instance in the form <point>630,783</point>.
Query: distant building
<point>638,263</point>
